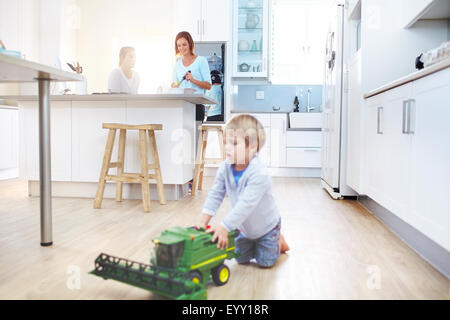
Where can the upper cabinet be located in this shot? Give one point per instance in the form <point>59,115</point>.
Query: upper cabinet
<point>205,20</point>
<point>250,38</point>
<point>298,37</point>
<point>416,10</point>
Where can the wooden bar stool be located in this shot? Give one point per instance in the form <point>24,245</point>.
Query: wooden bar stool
<point>201,159</point>
<point>121,177</point>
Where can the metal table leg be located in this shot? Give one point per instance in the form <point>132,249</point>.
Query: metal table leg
<point>45,163</point>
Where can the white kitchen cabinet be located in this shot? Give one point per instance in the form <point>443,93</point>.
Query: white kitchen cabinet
<point>388,151</point>
<point>278,124</point>
<point>89,138</point>
<point>9,142</point>
<point>355,125</point>
<point>205,20</point>
<point>298,30</point>
<point>305,139</point>
<point>395,151</point>
<point>273,152</point>
<point>430,158</point>
<point>376,158</point>
<point>61,136</point>
<point>216,20</point>
<point>303,149</point>
<point>265,152</point>
<point>303,157</point>
<point>408,154</point>
<point>250,38</point>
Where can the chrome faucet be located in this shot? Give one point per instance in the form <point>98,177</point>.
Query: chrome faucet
<point>308,106</point>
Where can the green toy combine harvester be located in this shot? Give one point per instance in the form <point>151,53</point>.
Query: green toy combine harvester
<point>184,260</point>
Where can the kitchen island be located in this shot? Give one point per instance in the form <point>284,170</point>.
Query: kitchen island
<point>78,140</point>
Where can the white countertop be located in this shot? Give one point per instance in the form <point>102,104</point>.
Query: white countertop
<point>192,98</point>
<point>411,77</point>
<point>13,69</point>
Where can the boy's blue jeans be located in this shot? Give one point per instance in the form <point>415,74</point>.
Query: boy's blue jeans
<point>265,249</point>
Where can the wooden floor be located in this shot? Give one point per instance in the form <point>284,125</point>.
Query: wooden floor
<point>338,249</point>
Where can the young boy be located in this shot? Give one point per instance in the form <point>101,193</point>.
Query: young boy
<point>246,181</point>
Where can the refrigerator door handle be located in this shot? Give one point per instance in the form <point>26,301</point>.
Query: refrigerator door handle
<point>379,119</point>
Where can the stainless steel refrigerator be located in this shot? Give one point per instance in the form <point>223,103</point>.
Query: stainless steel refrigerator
<point>214,52</point>
<point>334,126</point>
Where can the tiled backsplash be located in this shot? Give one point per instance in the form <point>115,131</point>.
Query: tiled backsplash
<point>278,96</point>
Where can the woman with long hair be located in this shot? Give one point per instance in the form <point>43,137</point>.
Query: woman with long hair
<point>191,70</point>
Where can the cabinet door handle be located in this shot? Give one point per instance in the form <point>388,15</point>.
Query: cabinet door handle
<point>203,27</point>
<point>411,115</point>
<point>379,119</point>
<point>198,27</point>
<point>405,117</point>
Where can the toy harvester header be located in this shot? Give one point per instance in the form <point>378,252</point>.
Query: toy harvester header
<point>182,263</point>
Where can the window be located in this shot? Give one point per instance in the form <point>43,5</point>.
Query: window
<point>155,57</point>
<point>299,30</point>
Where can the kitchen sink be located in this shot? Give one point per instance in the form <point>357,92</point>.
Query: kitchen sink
<point>305,120</point>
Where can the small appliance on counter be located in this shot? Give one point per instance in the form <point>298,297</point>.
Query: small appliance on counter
<point>433,56</point>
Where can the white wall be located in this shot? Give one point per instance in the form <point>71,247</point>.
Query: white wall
<point>41,30</point>
<point>107,25</point>
<point>19,30</point>
<point>387,46</point>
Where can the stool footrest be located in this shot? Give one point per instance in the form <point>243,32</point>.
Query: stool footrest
<point>129,177</point>
<point>125,178</point>
<point>115,165</point>
<point>212,161</point>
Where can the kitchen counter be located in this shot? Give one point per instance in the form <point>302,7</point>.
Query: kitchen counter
<point>8,107</point>
<point>304,129</point>
<point>411,77</point>
<point>252,111</point>
<point>78,140</point>
<point>192,98</point>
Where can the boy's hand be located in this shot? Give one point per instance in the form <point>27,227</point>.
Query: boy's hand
<point>203,221</point>
<point>221,234</point>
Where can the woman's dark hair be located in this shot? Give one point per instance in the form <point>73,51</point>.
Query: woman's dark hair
<point>186,35</point>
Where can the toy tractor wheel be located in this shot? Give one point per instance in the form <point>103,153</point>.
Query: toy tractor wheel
<point>220,274</point>
<point>195,277</point>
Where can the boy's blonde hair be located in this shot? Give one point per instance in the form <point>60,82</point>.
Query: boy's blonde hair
<point>249,127</point>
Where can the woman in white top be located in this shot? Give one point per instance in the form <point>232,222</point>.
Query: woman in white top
<point>124,79</point>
